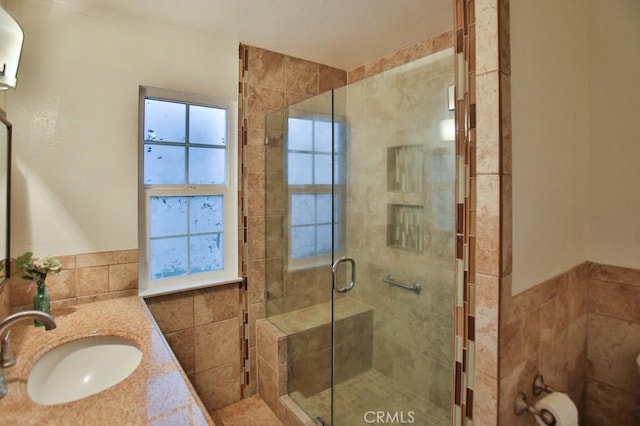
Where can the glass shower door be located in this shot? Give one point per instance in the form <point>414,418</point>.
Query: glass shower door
<point>393,201</point>
<point>360,246</point>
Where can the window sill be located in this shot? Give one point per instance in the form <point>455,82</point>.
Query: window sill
<point>161,290</point>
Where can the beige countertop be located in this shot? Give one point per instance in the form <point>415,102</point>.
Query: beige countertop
<point>157,392</point>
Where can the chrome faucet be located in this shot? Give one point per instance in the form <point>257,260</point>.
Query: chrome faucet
<point>6,354</point>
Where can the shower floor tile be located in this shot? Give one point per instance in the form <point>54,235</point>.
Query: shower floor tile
<point>361,399</point>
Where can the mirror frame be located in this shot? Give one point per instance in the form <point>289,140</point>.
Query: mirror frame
<point>6,261</point>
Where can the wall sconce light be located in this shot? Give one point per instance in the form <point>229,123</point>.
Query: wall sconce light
<point>11,38</point>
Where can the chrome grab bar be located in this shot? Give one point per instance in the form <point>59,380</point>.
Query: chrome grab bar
<point>334,269</point>
<point>415,287</point>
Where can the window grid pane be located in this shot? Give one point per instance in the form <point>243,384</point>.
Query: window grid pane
<point>309,162</point>
<point>164,121</point>
<point>311,224</point>
<point>175,156</point>
<point>186,235</point>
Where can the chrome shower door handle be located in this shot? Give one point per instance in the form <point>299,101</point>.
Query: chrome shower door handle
<point>334,269</point>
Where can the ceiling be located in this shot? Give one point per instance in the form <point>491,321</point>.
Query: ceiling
<point>340,33</point>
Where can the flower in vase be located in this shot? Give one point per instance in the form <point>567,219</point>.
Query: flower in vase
<point>37,270</point>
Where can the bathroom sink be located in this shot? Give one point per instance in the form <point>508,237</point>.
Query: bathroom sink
<point>80,368</point>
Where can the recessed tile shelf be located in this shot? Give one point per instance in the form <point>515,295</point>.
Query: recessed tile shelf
<point>405,226</point>
<point>404,168</point>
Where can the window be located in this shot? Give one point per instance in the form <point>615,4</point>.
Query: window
<point>310,174</point>
<point>188,198</point>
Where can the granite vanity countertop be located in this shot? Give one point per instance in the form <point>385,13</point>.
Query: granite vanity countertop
<point>157,392</point>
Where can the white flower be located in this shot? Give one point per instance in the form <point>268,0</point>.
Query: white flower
<point>47,263</point>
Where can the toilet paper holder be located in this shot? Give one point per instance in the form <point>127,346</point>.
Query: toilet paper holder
<point>522,406</point>
<point>540,386</point>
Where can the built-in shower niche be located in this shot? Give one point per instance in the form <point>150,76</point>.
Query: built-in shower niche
<point>404,168</point>
<point>405,226</point>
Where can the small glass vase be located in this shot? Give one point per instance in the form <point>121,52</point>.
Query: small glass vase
<point>41,302</point>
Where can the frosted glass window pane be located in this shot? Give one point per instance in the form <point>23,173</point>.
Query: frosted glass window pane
<point>323,208</point>
<point>322,136</point>
<point>207,253</point>
<point>300,134</point>
<point>168,257</point>
<point>339,132</point>
<point>303,209</point>
<point>303,241</point>
<point>207,125</point>
<point>338,169</point>
<point>207,166</point>
<point>322,169</point>
<point>167,216</point>
<point>164,121</point>
<point>323,239</point>
<point>163,164</point>
<point>205,214</point>
<point>443,208</point>
<point>442,169</point>
<point>300,169</point>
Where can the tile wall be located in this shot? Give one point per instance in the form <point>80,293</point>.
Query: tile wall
<point>613,381</point>
<point>544,331</point>
<point>483,219</point>
<point>204,329</point>
<point>581,331</point>
<point>268,82</point>
<point>84,278</point>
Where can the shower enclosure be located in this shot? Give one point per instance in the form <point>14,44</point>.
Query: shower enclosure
<point>360,246</point>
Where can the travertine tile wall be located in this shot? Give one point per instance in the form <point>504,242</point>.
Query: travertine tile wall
<point>483,220</point>
<point>613,343</point>
<point>544,330</point>
<point>204,329</point>
<point>268,81</point>
<point>84,278</point>
<point>581,331</point>
<point>403,56</point>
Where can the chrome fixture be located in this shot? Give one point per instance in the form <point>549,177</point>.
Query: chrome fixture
<point>415,287</point>
<point>522,406</point>
<point>11,38</point>
<point>6,354</point>
<point>540,386</point>
<point>334,269</point>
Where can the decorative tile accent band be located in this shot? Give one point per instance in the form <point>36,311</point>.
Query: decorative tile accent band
<point>464,11</point>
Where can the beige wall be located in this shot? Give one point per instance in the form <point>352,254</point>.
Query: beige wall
<point>549,109</point>
<point>575,97</point>
<point>75,116</point>
<point>3,94</point>
<point>613,228</point>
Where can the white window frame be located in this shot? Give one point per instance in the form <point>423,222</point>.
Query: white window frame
<point>229,191</point>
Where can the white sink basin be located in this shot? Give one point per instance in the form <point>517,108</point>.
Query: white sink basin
<point>81,368</point>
